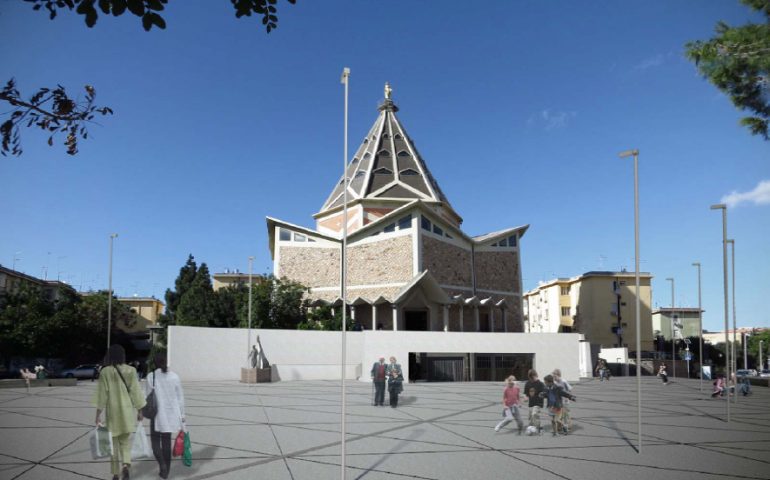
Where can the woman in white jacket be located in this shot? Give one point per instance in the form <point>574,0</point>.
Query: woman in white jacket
<point>170,416</point>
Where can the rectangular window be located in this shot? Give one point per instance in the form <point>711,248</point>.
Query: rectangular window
<point>565,311</point>
<point>437,230</point>
<point>405,223</point>
<point>512,241</point>
<point>390,228</point>
<point>425,223</point>
<point>284,235</point>
<point>298,237</point>
<point>565,290</point>
<point>503,243</point>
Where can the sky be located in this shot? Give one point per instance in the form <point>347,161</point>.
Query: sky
<point>518,108</point>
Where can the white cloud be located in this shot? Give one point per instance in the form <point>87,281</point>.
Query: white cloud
<point>550,119</point>
<point>759,196</point>
<point>652,62</point>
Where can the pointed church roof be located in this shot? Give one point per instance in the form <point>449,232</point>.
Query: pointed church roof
<point>387,165</point>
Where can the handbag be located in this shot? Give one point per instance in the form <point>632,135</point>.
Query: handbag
<point>179,444</point>
<point>150,408</point>
<point>140,447</point>
<point>187,455</point>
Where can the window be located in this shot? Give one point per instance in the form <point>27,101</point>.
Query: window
<point>502,243</point>
<point>360,173</point>
<point>565,311</point>
<point>409,171</point>
<point>383,153</point>
<point>367,155</point>
<point>298,237</point>
<point>512,241</point>
<point>398,137</point>
<point>403,153</point>
<point>448,235</point>
<point>390,228</point>
<point>355,160</point>
<point>425,223</point>
<point>382,171</point>
<point>366,140</point>
<point>565,290</point>
<point>284,235</point>
<point>437,230</point>
<point>309,239</point>
<point>385,135</point>
<point>405,223</point>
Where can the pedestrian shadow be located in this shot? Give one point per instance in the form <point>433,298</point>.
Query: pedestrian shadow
<point>412,437</point>
<point>148,467</point>
<point>407,400</point>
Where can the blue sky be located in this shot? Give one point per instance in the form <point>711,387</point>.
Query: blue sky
<point>518,108</point>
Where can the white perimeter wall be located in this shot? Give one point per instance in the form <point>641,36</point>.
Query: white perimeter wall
<point>219,353</point>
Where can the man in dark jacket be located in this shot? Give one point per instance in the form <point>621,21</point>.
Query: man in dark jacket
<point>532,389</point>
<point>553,395</point>
<point>378,377</point>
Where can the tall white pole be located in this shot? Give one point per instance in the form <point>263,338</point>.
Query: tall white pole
<point>723,207</point>
<point>248,347</point>
<point>673,334</point>
<point>635,154</point>
<point>761,365</point>
<point>700,328</point>
<point>113,236</point>
<point>733,353</point>
<point>344,265</point>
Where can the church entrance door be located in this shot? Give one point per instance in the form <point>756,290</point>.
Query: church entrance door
<point>416,320</point>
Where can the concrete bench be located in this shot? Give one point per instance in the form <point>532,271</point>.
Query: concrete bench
<point>38,382</point>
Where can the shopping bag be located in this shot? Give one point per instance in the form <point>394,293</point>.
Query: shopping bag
<point>101,442</point>
<point>187,456</point>
<point>140,447</point>
<point>179,444</point>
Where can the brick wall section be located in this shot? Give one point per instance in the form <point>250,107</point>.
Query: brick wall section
<point>386,261</point>
<point>312,267</point>
<point>449,264</point>
<point>497,271</point>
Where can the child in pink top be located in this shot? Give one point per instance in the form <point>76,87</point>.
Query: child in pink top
<point>510,405</point>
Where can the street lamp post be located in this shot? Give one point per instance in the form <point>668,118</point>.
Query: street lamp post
<point>761,365</point>
<point>723,207</point>
<point>745,337</point>
<point>248,347</point>
<point>700,329</point>
<point>673,335</point>
<point>113,236</point>
<point>344,263</point>
<point>635,153</point>
<point>733,354</point>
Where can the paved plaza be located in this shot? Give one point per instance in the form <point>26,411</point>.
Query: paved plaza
<point>290,430</point>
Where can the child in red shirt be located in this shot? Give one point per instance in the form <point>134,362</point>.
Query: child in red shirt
<point>510,404</point>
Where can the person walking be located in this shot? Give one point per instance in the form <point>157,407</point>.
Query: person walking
<point>532,389</point>
<point>564,385</point>
<point>511,396</point>
<point>553,395</point>
<point>119,394</point>
<point>378,378</point>
<point>169,418</point>
<point>663,374</point>
<point>395,381</point>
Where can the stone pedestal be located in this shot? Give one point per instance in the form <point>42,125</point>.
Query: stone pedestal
<point>255,375</point>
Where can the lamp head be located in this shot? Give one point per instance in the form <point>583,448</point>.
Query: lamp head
<point>629,153</point>
<point>719,206</point>
<point>113,235</point>
<point>730,240</point>
<point>696,264</point>
<point>670,279</point>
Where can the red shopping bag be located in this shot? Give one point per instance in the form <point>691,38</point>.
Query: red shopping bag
<point>179,444</point>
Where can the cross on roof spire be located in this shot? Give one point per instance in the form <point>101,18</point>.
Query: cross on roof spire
<point>388,91</point>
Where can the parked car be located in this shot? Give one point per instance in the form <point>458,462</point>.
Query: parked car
<point>765,373</point>
<point>746,372</point>
<point>81,371</point>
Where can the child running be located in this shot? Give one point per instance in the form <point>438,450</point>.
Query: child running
<point>564,385</point>
<point>533,389</point>
<point>511,405</point>
<point>553,394</point>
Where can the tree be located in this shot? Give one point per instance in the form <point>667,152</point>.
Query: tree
<point>196,305</point>
<point>737,62</point>
<point>67,114</point>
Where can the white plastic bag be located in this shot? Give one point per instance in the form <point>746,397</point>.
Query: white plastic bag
<point>140,447</point>
<point>101,442</point>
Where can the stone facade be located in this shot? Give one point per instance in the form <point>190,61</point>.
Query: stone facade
<point>312,267</point>
<point>449,264</point>
<point>385,261</point>
<point>497,271</point>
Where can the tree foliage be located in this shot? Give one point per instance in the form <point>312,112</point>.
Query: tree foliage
<point>50,110</point>
<point>737,62</point>
<point>148,10</point>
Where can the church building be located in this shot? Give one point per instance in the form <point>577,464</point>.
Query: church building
<point>410,266</point>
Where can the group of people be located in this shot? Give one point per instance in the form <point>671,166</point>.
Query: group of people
<point>120,397</point>
<point>721,387</point>
<point>554,392</point>
<point>392,374</point>
<point>603,370</point>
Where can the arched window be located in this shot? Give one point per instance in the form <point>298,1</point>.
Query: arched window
<point>382,171</point>
<point>409,171</point>
<point>398,137</point>
<point>403,153</point>
<point>383,153</point>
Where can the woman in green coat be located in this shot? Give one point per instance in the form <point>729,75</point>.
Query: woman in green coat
<point>118,393</point>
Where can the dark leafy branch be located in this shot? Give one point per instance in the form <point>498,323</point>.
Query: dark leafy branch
<point>737,62</point>
<point>148,10</point>
<point>51,110</point>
